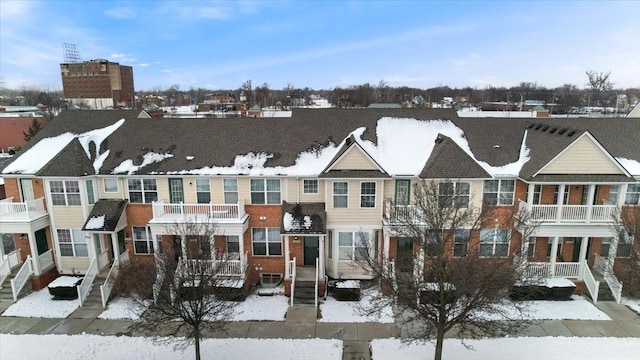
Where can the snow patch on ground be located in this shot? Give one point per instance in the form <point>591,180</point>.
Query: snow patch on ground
<point>122,308</point>
<point>633,304</point>
<point>41,304</point>
<point>81,347</point>
<point>333,310</point>
<point>261,308</point>
<point>526,348</point>
<point>578,308</point>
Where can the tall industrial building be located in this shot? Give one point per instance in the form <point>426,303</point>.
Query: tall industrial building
<point>98,84</point>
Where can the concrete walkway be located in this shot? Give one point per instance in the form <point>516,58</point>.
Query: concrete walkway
<point>301,323</point>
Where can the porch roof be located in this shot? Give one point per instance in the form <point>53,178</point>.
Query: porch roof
<point>105,215</point>
<point>306,218</point>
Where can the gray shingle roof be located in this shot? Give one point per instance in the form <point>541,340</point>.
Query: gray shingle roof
<point>449,161</point>
<point>111,210</point>
<point>316,213</point>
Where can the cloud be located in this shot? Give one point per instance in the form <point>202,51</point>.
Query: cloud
<point>203,10</point>
<point>143,65</point>
<point>120,12</point>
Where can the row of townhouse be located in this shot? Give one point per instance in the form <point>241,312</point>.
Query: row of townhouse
<point>292,194</point>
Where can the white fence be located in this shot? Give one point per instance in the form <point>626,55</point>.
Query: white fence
<point>605,267</point>
<point>21,278</point>
<point>171,212</point>
<point>8,262</point>
<point>559,269</point>
<point>591,283</point>
<point>292,276</point>
<point>571,213</point>
<point>85,286</point>
<point>105,289</point>
<point>21,210</point>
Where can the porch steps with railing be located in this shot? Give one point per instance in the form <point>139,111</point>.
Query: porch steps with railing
<point>6,293</point>
<point>304,293</point>
<point>604,292</point>
<point>94,299</point>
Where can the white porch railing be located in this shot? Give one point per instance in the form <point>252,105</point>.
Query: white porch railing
<point>292,276</point>
<point>401,213</point>
<point>85,286</point>
<point>222,267</point>
<point>591,283</point>
<point>570,213</point>
<point>605,267</point>
<point>570,270</point>
<point>21,278</point>
<point>8,262</point>
<point>391,271</point>
<point>105,289</point>
<point>10,210</point>
<point>45,260</point>
<point>193,212</point>
<point>316,288</point>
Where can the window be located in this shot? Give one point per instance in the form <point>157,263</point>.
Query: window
<point>633,194</point>
<point>97,241</point>
<point>265,191</point>
<point>270,280</point>
<point>403,189</point>
<point>460,241</point>
<point>498,192</point>
<point>91,196</point>
<point>233,244</point>
<point>266,241</point>
<point>65,192</point>
<point>454,194</point>
<point>310,186</point>
<point>613,195</point>
<point>203,191</point>
<point>143,191</point>
<point>625,245</point>
<point>368,194</point>
<point>537,193</point>
<point>8,245</point>
<point>110,185</point>
<point>72,243</point>
<point>565,199</point>
<point>340,194</point>
<point>353,245</point>
<point>532,246</point>
<point>550,244</point>
<point>494,242</point>
<point>230,191</point>
<point>142,240</point>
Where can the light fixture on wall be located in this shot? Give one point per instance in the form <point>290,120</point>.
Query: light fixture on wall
<point>23,236</point>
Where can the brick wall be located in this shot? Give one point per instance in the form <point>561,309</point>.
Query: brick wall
<point>137,215</point>
<point>263,216</point>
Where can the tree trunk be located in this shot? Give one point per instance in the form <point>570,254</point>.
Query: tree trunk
<point>196,336</point>
<point>439,343</point>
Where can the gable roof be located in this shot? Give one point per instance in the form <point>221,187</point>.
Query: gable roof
<point>303,218</point>
<point>449,161</point>
<point>351,144</point>
<point>105,215</point>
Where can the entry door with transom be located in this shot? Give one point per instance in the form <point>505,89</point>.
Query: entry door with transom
<point>404,254</point>
<point>311,244</point>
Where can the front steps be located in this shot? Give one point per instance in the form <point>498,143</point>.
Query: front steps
<point>304,290</point>
<point>5,292</point>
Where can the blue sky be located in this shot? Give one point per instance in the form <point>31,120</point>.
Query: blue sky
<point>324,44</point>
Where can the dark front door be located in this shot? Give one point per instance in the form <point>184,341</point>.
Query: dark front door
<point>41,241</point>
<point>311,244</point>
<point>404,253</point>
<point>121,247</point>
<point>576,249</point>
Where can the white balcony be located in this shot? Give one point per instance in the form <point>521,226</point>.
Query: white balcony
<point>225,267</point>
<point>21,211</point>
<point>570,213</point>
<point>220,213</point>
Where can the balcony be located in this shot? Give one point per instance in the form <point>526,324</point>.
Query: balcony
<point>219,213</point>
<point>399,214</point>
<point>21,211</point>
<point>570,213</point>
<point>224,267</point>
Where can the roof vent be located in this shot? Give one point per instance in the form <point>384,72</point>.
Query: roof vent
<point>553,130</point>
<point>571,133</point>
<point>347,141</point>
<point>497,146</point>
<point>538,126</point>
<point>439,139</point>
<point>545,128</point>
<point>530,126</point>
<point>562,131</point>
<point>190,157</point>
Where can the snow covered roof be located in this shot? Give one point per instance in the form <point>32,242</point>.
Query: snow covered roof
<point>400,141</point>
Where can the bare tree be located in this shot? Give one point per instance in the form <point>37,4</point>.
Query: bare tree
<point>598,83</point>
<point>459,286</point>
<point>626,226</point>
<point>191,287</point>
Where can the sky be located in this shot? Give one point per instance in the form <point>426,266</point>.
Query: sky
<point>325,44</point>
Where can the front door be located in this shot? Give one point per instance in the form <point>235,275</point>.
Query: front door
<point>121,246</point>
<point>311,244</point>
<point>577,244</point>
<point>404,254</point>
<point>403,190</point>
<point>41,241</point>
<point>26,188</point>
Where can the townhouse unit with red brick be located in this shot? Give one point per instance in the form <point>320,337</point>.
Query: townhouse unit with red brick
<point>300,198</point>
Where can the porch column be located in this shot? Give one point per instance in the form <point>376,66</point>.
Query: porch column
<point>241,244</point>
<point>154,241</point>
<point>613,249</point>
<point>34,253</point>
<point>385,250</point>
<point>622,194</point>
<point>560,202</point>
<point>583,253</point>
<point>553,255</point>
<point>590,201</point>
<point>418,266</point>
<point>321,256</point>
<point>285,239</point>
<point>114,245</point>
<point>530,190</point>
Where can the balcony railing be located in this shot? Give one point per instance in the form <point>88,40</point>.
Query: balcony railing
<point>217,268</point>
<point>21,211</point>
<point>570,270</point>
<point>570,213</point>
<point>402,213</point>
<point>163,212</point>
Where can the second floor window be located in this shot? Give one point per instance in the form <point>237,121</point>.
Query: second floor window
<point>110,185</point>
<point>340,194</point>
<point>203,191</point>
<point>498,192</point>
<point>265,191</point>
<point>310,186</point>
<point>142,191</point>
<point>72,243</point>
<point>368,194</point>
<point>633,194</point>
<point>65,192</point>
<point>230,188</point>
<point>454,194</point>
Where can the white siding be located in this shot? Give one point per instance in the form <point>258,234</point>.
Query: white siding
<point>582,157</point>
<point>68,217</point>
<point>354,214</point>
<point>69,265</point>
<point>354,159</point>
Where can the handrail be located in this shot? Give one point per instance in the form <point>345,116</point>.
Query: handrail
<point>605,267</point>
<point>45,259</point>
<point>591,283</point>
<point>22,276</point>
<point>85,286</point>
<point>316,288</point>
<point>292,272</point>
<point>8,262</point>
<point>21,210</point>
<point>181,211</point>
<point>105,289</point>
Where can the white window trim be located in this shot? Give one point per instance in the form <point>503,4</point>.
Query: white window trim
<point>304,192</point>
<point>266,192</point>
<point>195,181</point>
<point>65,192</point>
<point>104,185</point>
<point>143,190</point>
<point>355,235</point>
<point>148,240</point>
<point>266,242</point>
<point>375,195</point>
<point>627,192</point>
<point>455,195</point>
<point>225,192</point>
<point>333,195</point>
<point>73,243</point>
<point>499,192</point>
<point>495,242</point>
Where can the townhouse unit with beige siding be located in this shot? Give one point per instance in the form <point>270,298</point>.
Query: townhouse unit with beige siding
<point>313,191</point>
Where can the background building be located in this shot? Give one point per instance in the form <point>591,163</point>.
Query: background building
<point>97,84</point>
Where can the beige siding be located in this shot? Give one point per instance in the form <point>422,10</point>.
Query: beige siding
<point>122,188</point>
<point>163,189</point>
<point>347,269</point>
<point>74,264</point>
<point>189,185</point>
<point>582,157</point>
<point>68,217</point>
<point>477,188</point>
<point>217,191</point>
<point>294,191</point>
<point>354,159</point>
<point>354,214</point>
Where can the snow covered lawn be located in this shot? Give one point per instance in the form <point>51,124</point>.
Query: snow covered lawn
<point>81,347</point>
<point>41,304</point>
<point>576,309</point>
<point>333,310</point>
<point>527,348</point>
<point>634,304</point>
<point>261,308</point>
<point>122,308</point>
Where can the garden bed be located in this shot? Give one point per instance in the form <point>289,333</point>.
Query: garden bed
<point>65,287</point>
<point>544,289</point>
